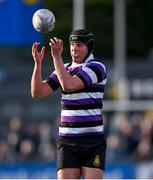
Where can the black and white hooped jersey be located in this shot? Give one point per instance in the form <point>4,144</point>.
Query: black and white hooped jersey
<point>81,111</point>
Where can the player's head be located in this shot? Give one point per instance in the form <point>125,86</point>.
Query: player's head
<point>83,36</point>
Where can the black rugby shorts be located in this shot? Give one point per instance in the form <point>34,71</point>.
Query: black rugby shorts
<point>75,152</point>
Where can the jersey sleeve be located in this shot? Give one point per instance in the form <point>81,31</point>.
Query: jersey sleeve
<point>92,73</point>
<point>53,81</point>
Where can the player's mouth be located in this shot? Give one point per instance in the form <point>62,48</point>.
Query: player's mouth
<point>75,54</point>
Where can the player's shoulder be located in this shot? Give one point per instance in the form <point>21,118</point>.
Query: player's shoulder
<point>97,62</point>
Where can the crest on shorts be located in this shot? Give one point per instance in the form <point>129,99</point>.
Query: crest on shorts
<point>96,161</point>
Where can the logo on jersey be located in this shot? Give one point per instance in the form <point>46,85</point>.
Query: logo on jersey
<point>96,161</point>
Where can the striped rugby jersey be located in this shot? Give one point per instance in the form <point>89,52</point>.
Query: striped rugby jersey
<point>81,111</point>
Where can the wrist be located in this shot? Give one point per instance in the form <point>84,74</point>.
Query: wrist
<point>37,65</point>
<point>57,58</point>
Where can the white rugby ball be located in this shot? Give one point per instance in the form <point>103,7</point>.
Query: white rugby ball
<point>43,20</point>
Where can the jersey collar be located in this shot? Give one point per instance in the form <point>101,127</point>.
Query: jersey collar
<point>90,57</point>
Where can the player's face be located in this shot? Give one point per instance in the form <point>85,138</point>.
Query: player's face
<point>78,51</point>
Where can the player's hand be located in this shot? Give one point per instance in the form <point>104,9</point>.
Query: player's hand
<point>38,56</point>
<point>56,47</point>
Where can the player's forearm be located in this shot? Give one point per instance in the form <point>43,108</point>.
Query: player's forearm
<point>36,82</point>
<point>65,79</point>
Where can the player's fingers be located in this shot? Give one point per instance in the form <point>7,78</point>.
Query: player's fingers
<point>50,44</point>
<point>35,46</point>
<point>52,41</point>
<point>43,51</point>
<point>60,41</point>
<point>55,40</point>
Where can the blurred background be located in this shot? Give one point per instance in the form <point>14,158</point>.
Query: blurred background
<point>28,128</point>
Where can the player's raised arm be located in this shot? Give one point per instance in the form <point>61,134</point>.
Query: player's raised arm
<point>68,82</point>
<point>39,88</point>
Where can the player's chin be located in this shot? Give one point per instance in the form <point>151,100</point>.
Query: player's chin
<point>76,59</point>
